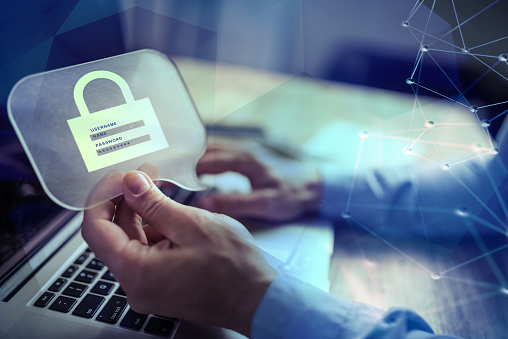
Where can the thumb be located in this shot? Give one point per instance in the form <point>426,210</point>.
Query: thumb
<point>169,218</point>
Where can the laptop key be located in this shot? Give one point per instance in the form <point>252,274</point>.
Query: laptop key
<point>75,290</point>
<point>108,276</point>
<point>159,326</point>
<point>62,304</point>
<point>81,259</point>
<point>86,276</point>
<point>88,306</point>
<point>103,287</point>
<point>95,264</point>
<point>57,285</point>
<point>70,271</point>
<point>113,310</point>
<point>44,299</point>
<point>133,320</point>
<point>120,291</point>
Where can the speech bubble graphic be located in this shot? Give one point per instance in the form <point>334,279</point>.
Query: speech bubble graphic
<point>84,126</point>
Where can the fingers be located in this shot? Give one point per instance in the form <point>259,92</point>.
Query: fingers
<point>130,222</point>
<point>217,161</point>
<point>106,239</point>
<point>234,226</point>
<point>180,224</point>
<point>258,204</point>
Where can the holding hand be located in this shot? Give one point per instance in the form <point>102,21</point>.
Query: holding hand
<point>282,189</point>
<point>185,262</point>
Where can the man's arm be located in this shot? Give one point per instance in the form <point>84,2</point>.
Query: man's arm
<point>402,198</point>
<point>202,267</point>
<point>292,309</point>
<point>184,262</point>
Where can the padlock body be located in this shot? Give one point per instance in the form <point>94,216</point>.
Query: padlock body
<point>117,134</point>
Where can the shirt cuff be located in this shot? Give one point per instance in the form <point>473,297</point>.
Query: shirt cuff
<point>294,309</point>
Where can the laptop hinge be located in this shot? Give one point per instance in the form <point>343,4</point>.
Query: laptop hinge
<point>31,266</point>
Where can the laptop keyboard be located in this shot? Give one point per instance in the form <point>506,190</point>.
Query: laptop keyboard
<point>87,289</point>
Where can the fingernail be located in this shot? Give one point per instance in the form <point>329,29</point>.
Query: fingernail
<point>138,184</point>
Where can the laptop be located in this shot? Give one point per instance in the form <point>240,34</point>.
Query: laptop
<point>53,286</point>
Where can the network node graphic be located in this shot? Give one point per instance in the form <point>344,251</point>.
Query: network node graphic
<point>363,135</point>
<point>444,179</point>
<point>436,276</point>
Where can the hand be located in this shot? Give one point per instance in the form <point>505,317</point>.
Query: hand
<point>185,262</point>
<point>282,189</point>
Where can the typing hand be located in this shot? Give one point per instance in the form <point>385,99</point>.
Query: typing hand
<point>282,190</point>
<point>184,262</point>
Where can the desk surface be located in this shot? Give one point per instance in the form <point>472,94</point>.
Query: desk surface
<point>294,108</point>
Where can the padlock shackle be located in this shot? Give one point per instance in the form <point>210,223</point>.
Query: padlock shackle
<point>85,79</point>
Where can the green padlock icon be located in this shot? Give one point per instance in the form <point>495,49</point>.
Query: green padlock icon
<point>116,134</point>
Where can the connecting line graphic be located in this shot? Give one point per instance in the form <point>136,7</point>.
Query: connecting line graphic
<point>462,52</point>
<point>496,190</point>
<point>442,95</point>
<point>493,70</point>
<point>479,200</point>
<point>437,121</point>
<point>412,118</point>
<point>468,159</point>
<point>391,245</point>
<point>493,266</point>
<point>499,115</point>
<point>462,302</point>
<point>458,25</point>
<point>430,35</point>
<point>475,283</point>
<point>418,202</point>
<point>363,136</point>
<point>466,21</point>
<point>488,225</point>
<point>425,48</point>
<point>416,140</point>
<point>488,43</point>
<point>424,158</point>
<point>442,70</point>
<point>470,261</point>
<point>415,8</point>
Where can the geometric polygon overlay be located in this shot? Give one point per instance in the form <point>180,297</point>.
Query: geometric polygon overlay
<point>448,217</point>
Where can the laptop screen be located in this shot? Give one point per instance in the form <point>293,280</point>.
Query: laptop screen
<point>27,215</point>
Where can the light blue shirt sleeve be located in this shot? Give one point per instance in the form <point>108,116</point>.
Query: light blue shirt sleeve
<point>292,309</point>
<point>402,199</point>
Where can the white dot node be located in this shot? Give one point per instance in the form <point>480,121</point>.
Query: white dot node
<point>284,267</point>
<point>345,215</point>
<point>504,290</point>
<point>485,123</point>
<point>404,24</point>
<point>462,212</point>
<point>410,81</point>
<point>407,151</point>
<point>477,148</point>
<point>494,151</point>
<point>473,109</point>
<point>363,135</point>
<point>436,276</point>
<point>424,48</point>
<point>446,167</point>
<point>466,50</point>
<point>503,57</point>
<point>370,263</point>
<point>429,124</point>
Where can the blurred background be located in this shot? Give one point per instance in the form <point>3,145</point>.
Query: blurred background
<point>308,74</point>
